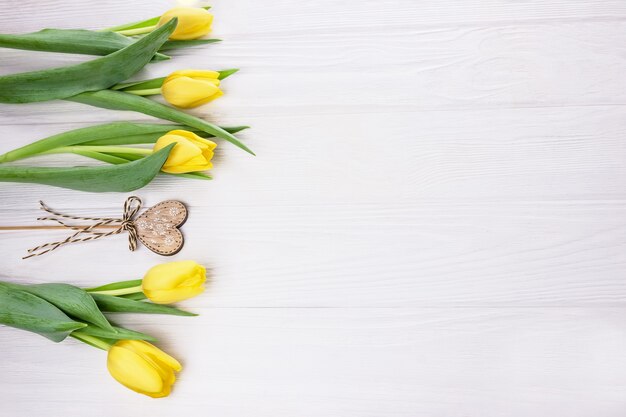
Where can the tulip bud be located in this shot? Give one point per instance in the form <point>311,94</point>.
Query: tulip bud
<point>190,154</point>
<point>193,22</point>
<point>174,281</point>
<point>142,367</point>
<point>191,88</point>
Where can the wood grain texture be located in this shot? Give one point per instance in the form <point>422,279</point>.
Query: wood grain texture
<point>435,223</point>
<point>362,362</point>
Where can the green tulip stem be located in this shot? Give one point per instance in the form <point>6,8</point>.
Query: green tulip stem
<point>148,92</point>
<point>91,340</point>
<point>137,31</point>
<point>120,291</point>
<point>101,149</point>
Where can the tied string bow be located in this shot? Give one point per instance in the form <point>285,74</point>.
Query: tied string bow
<point>89,232</point>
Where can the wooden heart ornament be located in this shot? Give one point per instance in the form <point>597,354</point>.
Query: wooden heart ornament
<point>158,227</point>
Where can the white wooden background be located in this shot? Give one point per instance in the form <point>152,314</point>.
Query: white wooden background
<point>435,223</point>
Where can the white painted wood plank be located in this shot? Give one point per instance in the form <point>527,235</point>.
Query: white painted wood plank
<point>253,17</point>
<point>441,68</point>
<point>400,158</point>
<point>346,362</point>
<point>451,254</point>
<point>434,225</point>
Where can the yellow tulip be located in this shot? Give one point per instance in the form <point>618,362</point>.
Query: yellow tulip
<point>190,154</point>
<point>142,367</point>
<point>191,88</point>
<point>193,22</point>
<point>174,281</point>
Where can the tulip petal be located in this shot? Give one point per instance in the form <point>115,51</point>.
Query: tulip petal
<point>174,295</point>
<point>165,373</point>
<point>198,160</point>
<point>193,23</point>
<point>187,169</point>
<point>205,145</point>
<point>157,354</point>
<point>132,371</point>
<point>187,92</point>
<point>200,141</point>
<point>196,279</point>
<point>215,96</point>
<point>184,150</point>
<point>199,74</point>
<point>142,367</point>
<point>171,274</point>
<point>190,154</point>
<point>174,281</point>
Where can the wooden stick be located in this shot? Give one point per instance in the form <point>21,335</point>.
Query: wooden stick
<point>11,228</point>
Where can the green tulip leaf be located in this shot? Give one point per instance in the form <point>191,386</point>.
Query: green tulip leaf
<point>104,72</point>
<point>120,178</point>
<point>227,73</point>
<point>169,45</point>
<point>23,310</point>
<point>138,296</point>
<point>108,133</point>
<point>150,84</point>
<point>118,100</point>
<point>116,133</point>
<point>117,159</point>
<point>74,301</point>
<point>117,333</point>
<point>89,42</point>
<point>135,25</point>
<point>71,41</point>
<point>112,304</point>
<point>152,137</point>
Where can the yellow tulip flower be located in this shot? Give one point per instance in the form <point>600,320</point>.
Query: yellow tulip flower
<point>142,367</point>
<point>190,154</point>
<point>174,281</point>
<point>191,88</point>
<point>193,22</point>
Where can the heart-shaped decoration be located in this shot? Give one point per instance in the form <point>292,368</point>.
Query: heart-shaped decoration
<point>158,227</point>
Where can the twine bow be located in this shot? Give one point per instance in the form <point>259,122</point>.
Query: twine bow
<point>89,232</point>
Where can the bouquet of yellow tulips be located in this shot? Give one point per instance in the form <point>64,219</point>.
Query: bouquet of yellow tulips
<point>57,311</point>
<point>184,149</point>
